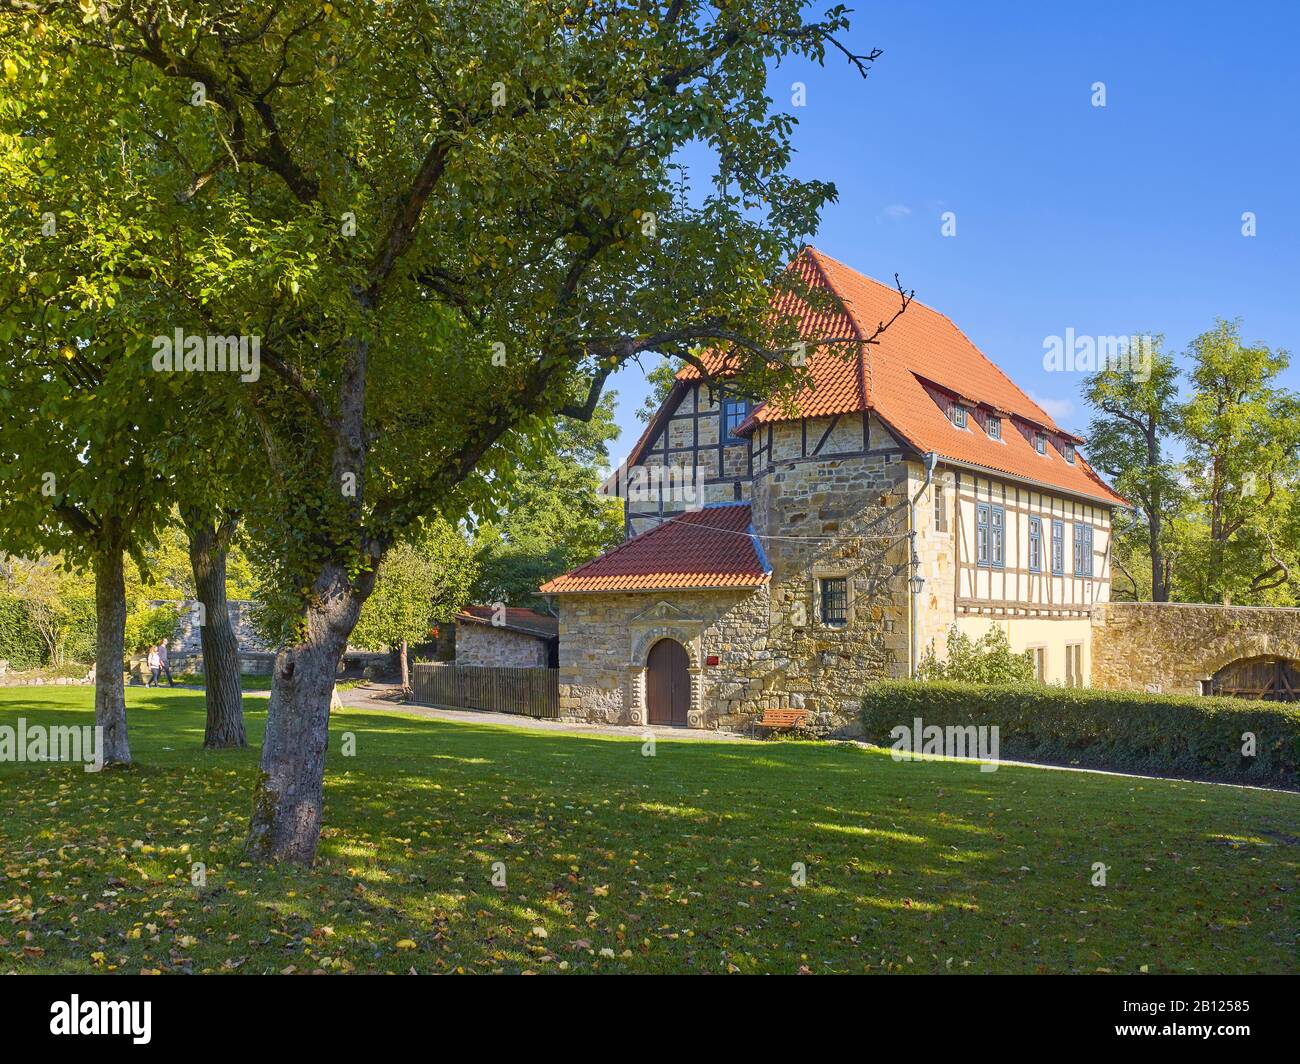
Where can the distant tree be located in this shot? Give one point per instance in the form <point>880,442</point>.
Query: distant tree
<point>419,584</point>
<point>60,602</point>
<point>988,659</point>
<point>1129,440</point>
<point>554,519</point>
<point>661,379</point>
<point>1242,433</point>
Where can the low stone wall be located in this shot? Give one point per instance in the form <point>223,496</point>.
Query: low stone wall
<point>1172,646</point>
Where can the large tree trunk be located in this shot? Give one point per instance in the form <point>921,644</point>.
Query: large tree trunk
<point>223,689</point>
<point>288,798</point>
<point>110,628</point>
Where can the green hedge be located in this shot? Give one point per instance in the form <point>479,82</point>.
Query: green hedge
<point>20,643</point>
<point>1173,735</point>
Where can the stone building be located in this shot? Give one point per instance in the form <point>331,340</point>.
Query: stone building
<point>507,637</point>
<point>783,555</point>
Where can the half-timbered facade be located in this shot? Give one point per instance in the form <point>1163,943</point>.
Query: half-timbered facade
<point>795,553</point>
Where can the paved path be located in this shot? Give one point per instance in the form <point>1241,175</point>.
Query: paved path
<point>385,698</point>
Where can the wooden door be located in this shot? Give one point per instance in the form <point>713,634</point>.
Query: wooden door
<point>668,683</point>
<point>1273,679</point>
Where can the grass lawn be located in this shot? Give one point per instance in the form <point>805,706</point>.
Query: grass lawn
<point>617,862</point>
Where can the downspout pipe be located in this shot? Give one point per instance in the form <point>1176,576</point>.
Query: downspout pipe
<point>931,460</point>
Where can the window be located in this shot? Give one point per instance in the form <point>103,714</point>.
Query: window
<point>1068,451</point>
<point>1035,544</point>
<point>1058,548</point>
<point>835,600</point>
<point>1073,664</point>
<point>990,535</point>
<point>994,427</point>
<point>1040,663</point>
<point>1083,550</point>
<point>1040,443</point>
<point>940,510</point>
<point>959,415</point>
<point>734,411</point>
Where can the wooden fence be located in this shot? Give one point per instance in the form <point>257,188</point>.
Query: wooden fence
<point>528,692</point>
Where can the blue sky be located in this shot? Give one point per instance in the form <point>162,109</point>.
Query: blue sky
<point>1117,220</point>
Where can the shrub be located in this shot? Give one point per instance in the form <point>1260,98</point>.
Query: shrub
<point>20,640</point>
<point>988,659</point>
<point>1176,735</point>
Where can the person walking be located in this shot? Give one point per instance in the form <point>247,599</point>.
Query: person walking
<point>162,664</point>
<point>155,666</point>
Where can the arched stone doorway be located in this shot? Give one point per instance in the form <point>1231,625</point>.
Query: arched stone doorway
<point>668,684</point>
<point>1270,678</point>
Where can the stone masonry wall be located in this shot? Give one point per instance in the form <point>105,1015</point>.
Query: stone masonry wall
<point>835,517</point>
<point>606,638</point>
<point>482,644</point>
<point>1171,646</point>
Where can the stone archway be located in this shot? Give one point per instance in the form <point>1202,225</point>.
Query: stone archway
<point>638,659</point>
<point>1270,678</point>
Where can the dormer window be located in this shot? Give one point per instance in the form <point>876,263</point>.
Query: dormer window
<point>993,426</point>
<point>959,415</point>
<point>1040,443</point>
<point>1067,452</point>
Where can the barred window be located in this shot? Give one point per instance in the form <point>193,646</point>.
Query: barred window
<point>835,600</point>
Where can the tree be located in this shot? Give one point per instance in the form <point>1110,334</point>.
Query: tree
<point>555,519</point>
<point>210,537</point>
<point>77,476</point>
<point>443,225</point>
<point>661,379</point>
<point>1129,441</point>
<point>58,601</point>
<point>420,584</point>
<point>1243,460</point>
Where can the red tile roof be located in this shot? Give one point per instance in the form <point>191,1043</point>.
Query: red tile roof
<point>513,618</point>
<point>710,548</point>
<point>886,377</point>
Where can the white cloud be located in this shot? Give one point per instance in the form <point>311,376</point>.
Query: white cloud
<point>896,211</point>
<point>1057,409</point>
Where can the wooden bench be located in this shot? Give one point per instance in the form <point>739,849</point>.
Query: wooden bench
<point>782,719</point>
